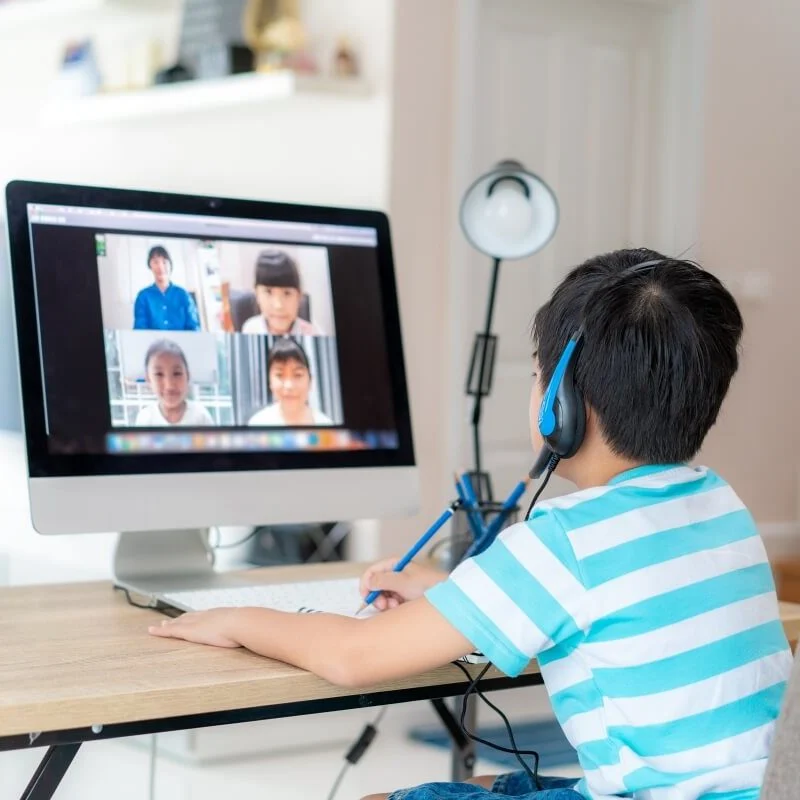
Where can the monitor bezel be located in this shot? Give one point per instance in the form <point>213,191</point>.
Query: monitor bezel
<point>44,464</point>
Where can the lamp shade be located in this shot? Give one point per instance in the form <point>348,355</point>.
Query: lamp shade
<point>509,212</point>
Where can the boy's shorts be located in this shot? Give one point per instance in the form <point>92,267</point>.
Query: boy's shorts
<point>512,784</point>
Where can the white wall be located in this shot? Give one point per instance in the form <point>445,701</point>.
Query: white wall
<point>422,213</point>
<point>34,558</point>
<point>317,149</point>
<point>749,235</point>
<point>325,150</point>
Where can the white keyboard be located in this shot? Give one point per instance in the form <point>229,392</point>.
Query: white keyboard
<point>333,596</point>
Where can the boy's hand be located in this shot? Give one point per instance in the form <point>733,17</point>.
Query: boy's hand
<point>203,627</point>
<point>398,587</point>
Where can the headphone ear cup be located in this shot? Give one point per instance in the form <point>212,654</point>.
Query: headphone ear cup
<point>579,427</point>
<point>561,415</point>
<point>555,439</point>
<point>563,439</point>
<point>570,416</point>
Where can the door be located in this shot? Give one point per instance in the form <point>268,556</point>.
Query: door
<point>585,93</point>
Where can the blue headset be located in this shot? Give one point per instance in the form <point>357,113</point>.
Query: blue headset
<point>562,414</point>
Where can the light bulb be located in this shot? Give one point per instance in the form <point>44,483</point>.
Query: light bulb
<point>508,212</point>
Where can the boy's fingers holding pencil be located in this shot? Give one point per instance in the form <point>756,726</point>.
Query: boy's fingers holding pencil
<point>398,582</point>
<point>386,565</point>
<point>398,587</point>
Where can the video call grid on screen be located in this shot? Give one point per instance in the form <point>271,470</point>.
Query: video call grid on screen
<point>211,322</point>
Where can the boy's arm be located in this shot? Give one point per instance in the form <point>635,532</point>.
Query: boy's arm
<point>348,652</point>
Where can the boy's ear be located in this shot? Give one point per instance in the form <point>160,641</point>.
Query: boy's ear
<point>590,415</point>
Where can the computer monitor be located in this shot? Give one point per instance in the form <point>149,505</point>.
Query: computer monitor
<point>189,362</point>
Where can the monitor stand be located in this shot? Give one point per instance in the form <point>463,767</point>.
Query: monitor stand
<point>154,562</point>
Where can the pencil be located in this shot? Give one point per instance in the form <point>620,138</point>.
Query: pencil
<point>497,523</point>
<point>467,497</point>
<point>409,556</point>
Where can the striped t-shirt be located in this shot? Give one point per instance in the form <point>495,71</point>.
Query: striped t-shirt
<point>651,607</point>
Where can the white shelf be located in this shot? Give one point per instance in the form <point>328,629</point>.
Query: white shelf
<point>177,98</point>
<point>27,12</point>
<point>16,14</point>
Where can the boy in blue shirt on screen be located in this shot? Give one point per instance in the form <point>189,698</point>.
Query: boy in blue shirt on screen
<point>163,305</point>
<point>645,595</point>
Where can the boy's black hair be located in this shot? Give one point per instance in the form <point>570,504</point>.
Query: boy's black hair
<point>168,347</point>
<point>287,348</point>
<point>277,268</point>
<point>157,251</point>
<point>660,349</point>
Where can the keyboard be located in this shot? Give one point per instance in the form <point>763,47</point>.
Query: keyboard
<point>333,597</point>
<point>339,596</point>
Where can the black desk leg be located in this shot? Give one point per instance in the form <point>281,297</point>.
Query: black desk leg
<point>463,761</point>
<point>50,771</point>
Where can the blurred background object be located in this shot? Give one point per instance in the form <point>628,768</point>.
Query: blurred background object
<point>211,42</point>
<point>79,75</point>
<point>274,32</point>
<point>345,62</point>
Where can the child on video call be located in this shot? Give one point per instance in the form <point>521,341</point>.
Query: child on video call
<point>163,305</point>
<point>290,384</point>
<point>645,595</point>
<point>278,294</point>
<point>167,373</point>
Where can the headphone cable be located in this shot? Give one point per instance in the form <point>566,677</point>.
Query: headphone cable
<point>533,774</point>
<point>357,750</point>
<point>552,463</point>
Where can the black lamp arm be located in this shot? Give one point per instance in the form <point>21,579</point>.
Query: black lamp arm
<point>484,350</point>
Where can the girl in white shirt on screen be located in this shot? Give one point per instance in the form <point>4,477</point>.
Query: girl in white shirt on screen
<point>290,383</point>
<point>278,295</point>
<point>167,372</point>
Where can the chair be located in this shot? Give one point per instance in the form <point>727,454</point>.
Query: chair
<point>782,778</point>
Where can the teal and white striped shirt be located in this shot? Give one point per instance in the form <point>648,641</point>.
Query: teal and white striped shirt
<point>651,607</point>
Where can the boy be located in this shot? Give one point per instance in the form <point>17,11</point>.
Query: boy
<point>289,375</point>
<point>646,595</point>
<point>163,305</point>
<point>278,295</point>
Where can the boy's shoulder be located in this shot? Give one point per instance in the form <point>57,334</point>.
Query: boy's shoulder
<point>642,517</point>
<point>682,491</point>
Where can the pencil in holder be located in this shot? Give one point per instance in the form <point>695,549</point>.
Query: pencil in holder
<point>450,551</point>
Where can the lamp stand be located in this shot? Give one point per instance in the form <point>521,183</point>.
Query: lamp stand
<point>479,385</point>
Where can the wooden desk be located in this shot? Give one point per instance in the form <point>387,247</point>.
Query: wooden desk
<point>78,664</point>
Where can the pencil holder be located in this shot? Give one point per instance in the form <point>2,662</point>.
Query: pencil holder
<point>450,550</point>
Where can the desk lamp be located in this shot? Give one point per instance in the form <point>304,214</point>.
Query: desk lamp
<point>507,214</point>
